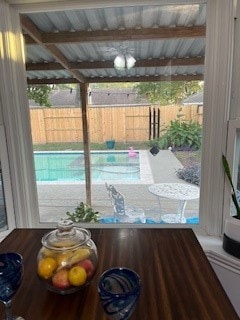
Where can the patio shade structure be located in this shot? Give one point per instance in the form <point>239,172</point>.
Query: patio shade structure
<point>79,46</point>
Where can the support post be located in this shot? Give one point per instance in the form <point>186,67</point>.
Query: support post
<point>86,141</point>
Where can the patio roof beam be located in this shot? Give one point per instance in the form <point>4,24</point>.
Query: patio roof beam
<point>119,35</point>
<point>36,34</point>
<point>35,81</point>
<point>179,77</point>
<point>109,64</point>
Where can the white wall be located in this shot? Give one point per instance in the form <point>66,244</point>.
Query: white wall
<point>230,280</point>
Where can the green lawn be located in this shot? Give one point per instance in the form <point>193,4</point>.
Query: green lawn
<point>94,146</point>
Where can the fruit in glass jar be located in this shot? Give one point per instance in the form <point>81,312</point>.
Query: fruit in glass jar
<point>88,266</point>
<point>77,276</point>
<point>79,255</point>
<point>60,279</point>
<point>63,257</point>
<point>47,253</point>
<point>46,267</point>
<point>67,247</point>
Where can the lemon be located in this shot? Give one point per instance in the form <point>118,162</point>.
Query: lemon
<point>46,267</point>
<point>77,276</point>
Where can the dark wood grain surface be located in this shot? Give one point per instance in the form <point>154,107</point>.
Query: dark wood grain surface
<point>177,280</point>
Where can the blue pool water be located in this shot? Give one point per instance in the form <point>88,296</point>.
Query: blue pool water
<point>69,166</point>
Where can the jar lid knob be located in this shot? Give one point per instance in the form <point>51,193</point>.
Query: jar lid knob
<point>65,225</point>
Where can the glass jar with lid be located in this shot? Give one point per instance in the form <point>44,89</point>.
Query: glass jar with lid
<point>68,259</point>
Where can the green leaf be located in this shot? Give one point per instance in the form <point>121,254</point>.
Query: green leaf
<point>228,174</point>
<point>40,94</point>
<point>83,213</point>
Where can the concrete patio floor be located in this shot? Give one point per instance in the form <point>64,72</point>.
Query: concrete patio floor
<point>56,199</point>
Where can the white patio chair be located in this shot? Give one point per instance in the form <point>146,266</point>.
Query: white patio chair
<point>111,190</point>
<point>124,214</point>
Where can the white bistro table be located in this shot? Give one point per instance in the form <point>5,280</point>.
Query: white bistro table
<point>176,191</point>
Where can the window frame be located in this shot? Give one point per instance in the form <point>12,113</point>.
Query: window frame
<point>218,72</point>
<point>6,181</point>
<point>233,124</point>
<point>232,157</point>
<point>217,91</point>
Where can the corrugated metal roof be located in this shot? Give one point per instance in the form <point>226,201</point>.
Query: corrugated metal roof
<point>120,17</point>
<point>115,19</point>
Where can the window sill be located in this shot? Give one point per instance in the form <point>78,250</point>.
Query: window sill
<point>212,247</point>
<point>4,234</point>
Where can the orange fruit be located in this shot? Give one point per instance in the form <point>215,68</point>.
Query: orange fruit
<point>77,276</point>
<point>46,267</point>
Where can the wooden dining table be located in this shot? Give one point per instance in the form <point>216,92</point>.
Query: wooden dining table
<point>177,280</point>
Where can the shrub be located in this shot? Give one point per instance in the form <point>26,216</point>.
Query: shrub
<point>181,134</point>
<point>190,173</point>
<point>83,213</point>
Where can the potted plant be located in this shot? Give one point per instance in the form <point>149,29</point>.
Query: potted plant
<point>231,237</point>
<point>83,213</point>
<point>110,144</point>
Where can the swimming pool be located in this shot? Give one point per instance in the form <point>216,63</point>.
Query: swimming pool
<point>69,166</point>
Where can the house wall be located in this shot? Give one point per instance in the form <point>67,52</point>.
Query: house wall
<point>124,124</point>
<point>230,280</point>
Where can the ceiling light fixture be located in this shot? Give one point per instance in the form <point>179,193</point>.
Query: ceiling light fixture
<point>123,61</point>
<point>130,61</point>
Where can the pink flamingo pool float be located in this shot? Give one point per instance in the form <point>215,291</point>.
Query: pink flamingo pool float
<point>131,152</point>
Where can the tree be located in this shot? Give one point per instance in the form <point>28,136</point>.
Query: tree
<point>112,85</point>
<point>40,94</point>
<point>166,92</point>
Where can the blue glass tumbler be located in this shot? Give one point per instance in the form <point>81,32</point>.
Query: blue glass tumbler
<point>119,290</point>
<point>11,273</point>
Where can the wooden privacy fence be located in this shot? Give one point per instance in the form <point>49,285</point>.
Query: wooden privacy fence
<point>124,124</point>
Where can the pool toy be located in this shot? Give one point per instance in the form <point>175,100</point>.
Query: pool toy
<point>131,152</point>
